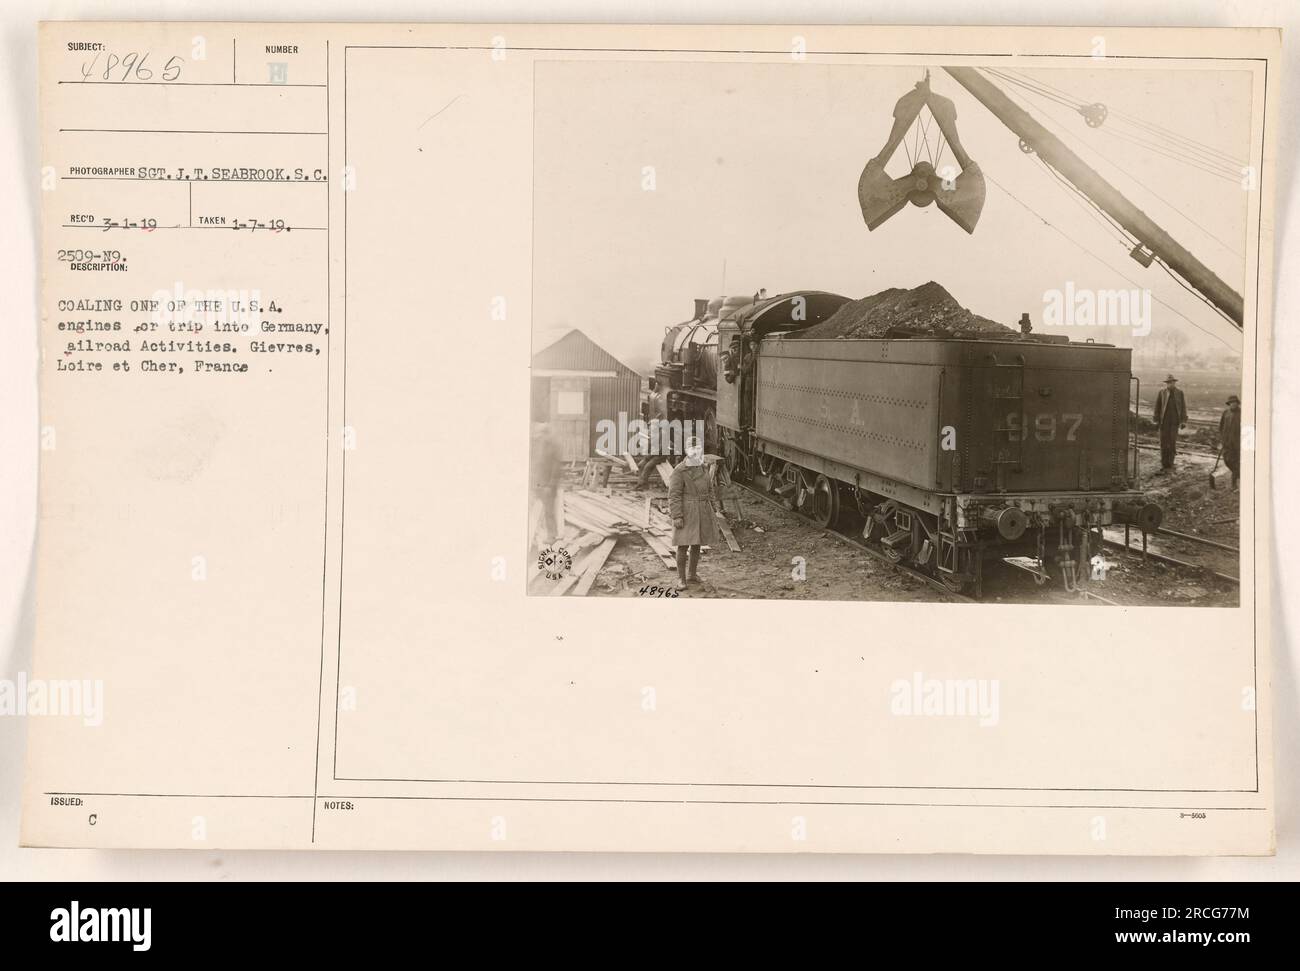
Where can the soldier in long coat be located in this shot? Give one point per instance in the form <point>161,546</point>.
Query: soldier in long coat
<point>1230,436</point>
<point>1170,415</point>
<point>691,505</point>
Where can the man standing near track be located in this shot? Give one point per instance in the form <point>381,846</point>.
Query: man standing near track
<point>1170,416</point>
<point>1230,437</point>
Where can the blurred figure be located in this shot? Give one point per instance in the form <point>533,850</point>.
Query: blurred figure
<point>691,505</point>
<point>651,453</point>
<point>1230,436</point>
<point>652,403</point>
<point>1170,416</point>
<point>647,468</point>
<point>547,462</point>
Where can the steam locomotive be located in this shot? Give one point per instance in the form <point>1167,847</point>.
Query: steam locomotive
<point>946,450</point>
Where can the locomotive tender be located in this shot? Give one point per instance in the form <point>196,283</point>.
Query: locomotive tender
<point>949,450</point>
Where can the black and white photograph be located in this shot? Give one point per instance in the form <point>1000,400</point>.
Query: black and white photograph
<point>677,443</point>
<point>866,332</point>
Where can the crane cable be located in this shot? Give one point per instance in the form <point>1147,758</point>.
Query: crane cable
<point>1196,293</point>
<point>1224,167</point>
<point>1174,146</point>
<point>1090,207</point>
<point>1076,103</point>
<point>1124,238</point>
<point>1128,241</point>
<point>1101,155</point>
<point>1191,144</point>
<point>1108,266</point>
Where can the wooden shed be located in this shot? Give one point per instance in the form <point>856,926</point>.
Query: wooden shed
<point>576,384</point>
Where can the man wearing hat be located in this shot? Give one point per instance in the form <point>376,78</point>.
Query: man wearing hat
<point>1230,436</point>
<point>1170,416</point>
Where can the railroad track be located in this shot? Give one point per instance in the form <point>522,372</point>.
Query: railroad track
<point>1183,449</point>
<point>1192,538</point>
<point>1173,560</point>
<point>859,544</point>
<point>1052,595</point>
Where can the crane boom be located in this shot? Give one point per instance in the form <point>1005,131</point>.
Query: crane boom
<point>1086,179</point>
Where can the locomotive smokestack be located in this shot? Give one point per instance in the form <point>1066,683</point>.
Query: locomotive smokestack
<point>701,307</point>
<point>1025,325</point>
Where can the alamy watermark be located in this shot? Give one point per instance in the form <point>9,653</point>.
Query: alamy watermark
<point>126,925</point>
<point>946,697</point>
<point>185,308</point>
<point>1085,307</point>
<point>658,436</point>
<point>35,696</point>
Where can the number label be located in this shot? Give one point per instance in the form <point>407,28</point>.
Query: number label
<point>1046,426</point>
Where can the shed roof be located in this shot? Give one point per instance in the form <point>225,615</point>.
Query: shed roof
<point>575,351</point>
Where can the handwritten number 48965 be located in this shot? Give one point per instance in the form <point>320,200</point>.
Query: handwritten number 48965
<point>129,67</point>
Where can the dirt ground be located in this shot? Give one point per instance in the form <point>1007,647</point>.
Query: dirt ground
<point>766,567</point>
<point>1190,505</point>
<point>784,557</point>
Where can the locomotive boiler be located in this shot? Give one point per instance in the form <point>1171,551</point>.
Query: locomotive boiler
<point>686,379</point>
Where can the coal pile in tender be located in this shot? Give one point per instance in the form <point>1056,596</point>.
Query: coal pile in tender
<point>925,311</point>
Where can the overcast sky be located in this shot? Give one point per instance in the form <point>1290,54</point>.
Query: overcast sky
<point>757,165</point>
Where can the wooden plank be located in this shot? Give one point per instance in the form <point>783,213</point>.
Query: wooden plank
<point>661,549</point>
<point>585,524</point>
<point>561,588</point>
<point>658,544</point>
<point>596,561</point>
<point>575,573</point>
<point>631,462</point>
<point>591,517</point>
<point>665,472</point>
<point>591,503</point>
<point>729,536</point>
<point>585,540</point>
<point>621,509</point>
<point>539,584</point>
<point>596,500</point>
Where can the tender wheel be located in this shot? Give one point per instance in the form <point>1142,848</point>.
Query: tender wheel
<point>884,516</point>
<point>825,504</point>
<point>952,583</point>
<point>791,487</point>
